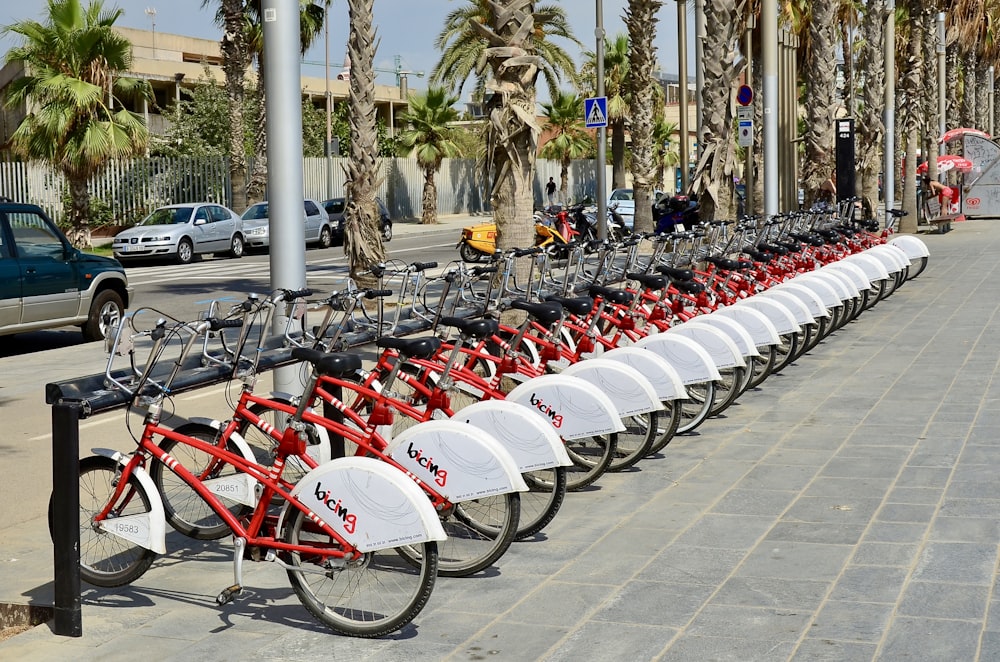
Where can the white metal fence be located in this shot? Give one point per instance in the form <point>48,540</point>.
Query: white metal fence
<point>132,188</point>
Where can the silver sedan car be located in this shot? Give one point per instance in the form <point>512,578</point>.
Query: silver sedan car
<point>318,227</point>
<point>182,232</point>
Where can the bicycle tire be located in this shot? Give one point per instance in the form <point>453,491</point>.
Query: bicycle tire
<point>539,505</point>
<point>479,532</point>
<point>727,389</point>
<point>787,351</point>
<point>696,408</point>
<point>105,559</point>
<point>761,366</point>
<point>669,418</point>
<point>591,457</point>
<point>922,264</point>
<point>634,443</point>
<point>369,597</point>
<point>185,510</point>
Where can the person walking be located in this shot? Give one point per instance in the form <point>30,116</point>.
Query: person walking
<point>550,192</point>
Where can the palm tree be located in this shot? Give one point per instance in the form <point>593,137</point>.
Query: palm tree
<point>870,125</point>
<point>512,134</point>
<point>570,140</point>
<point>820,76</point>
<point>640,17</point>
<point>74,83</point>
<point>616,83</point>
<point>429,137</point>
<point>464,40</point>
<point>362,237</point>
<point>910,89</point>
<point>665,154</point>
<point>235,59</point>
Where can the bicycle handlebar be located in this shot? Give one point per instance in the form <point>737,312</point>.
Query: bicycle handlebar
<point>375,294</point>
<point>421,266</point>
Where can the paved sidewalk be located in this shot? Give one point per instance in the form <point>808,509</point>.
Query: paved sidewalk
<point>849,509</point>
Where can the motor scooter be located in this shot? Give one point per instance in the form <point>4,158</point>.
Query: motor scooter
<point>552,226</point>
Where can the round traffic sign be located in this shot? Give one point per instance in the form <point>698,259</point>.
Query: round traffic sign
<point>744,96</point>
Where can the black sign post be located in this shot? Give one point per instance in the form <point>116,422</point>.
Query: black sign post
<point>846,165</point>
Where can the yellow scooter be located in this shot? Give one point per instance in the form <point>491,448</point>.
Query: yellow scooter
<point>479,241</point>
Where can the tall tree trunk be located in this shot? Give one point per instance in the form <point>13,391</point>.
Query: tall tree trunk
<point>235,58</point>
<point>79,232</point>
<point>713,179</point>
<point>969,90</point>
<point>911,89</point>
<point>362,238</point>
<point>429,198</point>
<point>256,191</point>
<point>640,17</point>
<point>564,179</point>
<point>932,118</point>
<point>820,75</point>
<point>512,133</point>
<point>850,100</point>
<point>952,101</point>
<point>617,153</point>
<point>871,126</point>
<point>983,97</point>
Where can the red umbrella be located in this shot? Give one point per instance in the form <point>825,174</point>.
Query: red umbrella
<point>958,133</point>
<point>948,162</point>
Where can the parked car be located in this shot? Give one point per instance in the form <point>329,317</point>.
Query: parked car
<point>46,283</point>
<point>335,208</point>
<point>183,232</point>
<point>318,226</point>
<point>623,201</point>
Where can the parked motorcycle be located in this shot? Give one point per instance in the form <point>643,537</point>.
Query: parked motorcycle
<point>675,213</point>
<point>552,226</point>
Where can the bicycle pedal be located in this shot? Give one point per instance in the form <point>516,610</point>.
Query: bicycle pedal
<point>228,595</point>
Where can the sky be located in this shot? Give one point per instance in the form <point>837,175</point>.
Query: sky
<point>407,29</point>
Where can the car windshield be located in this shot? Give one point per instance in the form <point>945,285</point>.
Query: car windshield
<point>622,194</point>
<point>169,216</point>
<point>335,206</point>
<point>256,212</point>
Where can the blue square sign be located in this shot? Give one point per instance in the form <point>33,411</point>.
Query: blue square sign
<point>595,112</point>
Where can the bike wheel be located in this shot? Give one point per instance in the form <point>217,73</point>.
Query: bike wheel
<point>544,498</point>
<point>634,443</point>
<point>761,366</point>
<point>479,532</point>
<point>591,457</point>
<point>105,559</point>
<point>669,418</point>
<point>371,596</point>
<point>786,352</point>
<point>727,389</point>
<point>697,407</point>
<point>186,511</point>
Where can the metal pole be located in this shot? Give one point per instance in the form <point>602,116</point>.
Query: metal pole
<point>602,133</point>
<point>889,160</point>
<point>284,155</point>
<point>941,73</point>
<point>992,98</point>
<point>68,617</point>
<point>769,98</point>
<point>699,71</point>
<point>682,90</point>
<point>748,178</point>
<point>328,150</point>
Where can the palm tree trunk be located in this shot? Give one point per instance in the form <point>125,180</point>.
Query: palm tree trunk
<point>429,198</point>
<point>871,127</point>
<point>969,89</point>
<point>79,232</point>
<point>258,176</point>
<point>819,74</point>
<point>617,154</point>
<point>362,239</point>
<point>234,64</point>
<point>564,179</point>
<point>911,86</point>
<point>640,17</point>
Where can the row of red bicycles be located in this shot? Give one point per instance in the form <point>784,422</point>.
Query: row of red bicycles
<point>537,377</point>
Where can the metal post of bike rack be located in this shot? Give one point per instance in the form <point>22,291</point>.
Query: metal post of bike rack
<point>330,412</point>
<point>65,516</point>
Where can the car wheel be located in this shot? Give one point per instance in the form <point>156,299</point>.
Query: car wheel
<point>386,231</point>
<point>236,246</point>
<point>106,311</point>
<point>325,237</point>
<point>185,251</point>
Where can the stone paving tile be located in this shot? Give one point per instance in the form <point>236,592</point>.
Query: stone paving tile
<point>770,624</point>
<point>920,495</point>
<point>776,476</point>
<point>885,553</point>
<point>687,564</point>
<point>655,603</point>
<point>829,486</point>
<point>961,563</point>
<point>944,600</point>
<point>561,604</point>
<point>930,639</point>
<point>795,560</point>
<point>726,649</point>
<point>596,640</point>
<point>816,532</point>
<point>508,640</point>
<point>965,529</point>
<point>989,646</point>
<point>845,509</point>
<point>771,592</point>
<point>907,512</point>
<point>862,583</point>
<point>726,531</point>
<point>923,477</point>
<point>851,621</point>
<point>827,650</point>
<point>754,502</point>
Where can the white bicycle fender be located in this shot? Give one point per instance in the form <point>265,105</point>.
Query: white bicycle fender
<point>894,252</point>
<point>572,406</point>
<point>723,351</point>
<point>149,529</point>
<point>842,286</point>
<point>733,329</point>
<point>793,303</point>
<point>458,460</point>
<point>912,246</point>
<point>373,505</point>
<point>828,296</point>
<point>691,361</point>
<point>812,301</point>
<point>889,260</point>
<point>852,271</point>
<point>756,323</point>
<point>530,441</point>
<point>872,266</point>
<point>628,389</point>
<point>664,379</point>
<point>775,311</point>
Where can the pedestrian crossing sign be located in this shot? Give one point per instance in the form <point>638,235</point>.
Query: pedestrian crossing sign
<point>595,112</point>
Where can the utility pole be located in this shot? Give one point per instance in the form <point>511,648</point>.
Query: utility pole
<point>682,90</point>
<point>889,160</point>
<point>941,73</point>
<point>769,47</point>
<point>699,71</point>
<point>151,13</point>
<point>328,151</point>
<point>748,177</point>
<point>602,132</point>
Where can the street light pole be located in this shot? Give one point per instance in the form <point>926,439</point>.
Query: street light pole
<point>769,51</point>
<point>941,73</point>
<point>682,90</point>
<point>602,132</point>
<point>889,160</point>
<point>328,150</point>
